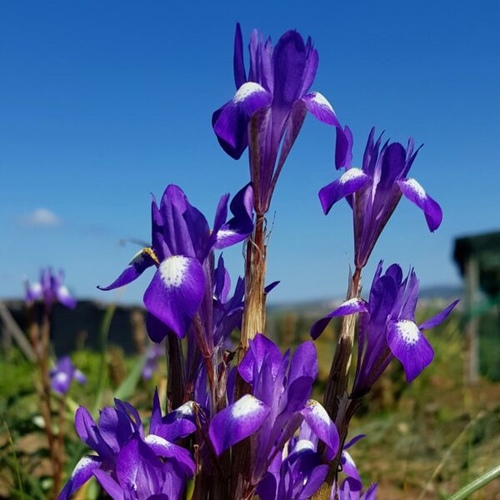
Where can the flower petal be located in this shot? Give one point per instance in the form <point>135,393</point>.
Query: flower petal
<point>293,125</point>
<point>304,362</point>
<point>238,61</point>
<point>343,148</point>
<point>157,329</point>
<point>89,433</point>
<point>137,266</point>
<point>320,108</point>
<point>138,470</point>
<point>112,488</point>
<point>438,318</point>
<point>351,306</point>
<point>241,225</point>
<point>81,474</point>
<point>231,121</point>
<point>416,194</point>
<point>321,424</point>
<point>262,350</point>
<point>237,422</point>
<point>410,346</point>
<point>291,69</point>
<point>175,293</point>
<point>166,449</point>
<point>178,424</point>
<point>349,182</point>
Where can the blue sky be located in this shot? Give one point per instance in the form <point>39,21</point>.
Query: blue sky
<point>105,102</point>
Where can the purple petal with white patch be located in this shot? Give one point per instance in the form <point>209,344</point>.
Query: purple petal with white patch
<point>269,107</point>
<point>237,422</point>
<point>230,123</point>
<point>321,424</point>
<point>416,194</point>
<point>83,471</point>
<point>320,108</point>
<point>176,292</point>
<point>351,306</point>
<point>374,191</point>
<point>241,224</point>
<point>351,181</point>
<point>409,345</point>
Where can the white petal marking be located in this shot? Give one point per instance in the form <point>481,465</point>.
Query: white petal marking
<point>304,444</point>
<point>173,271</point>
<point>351,174</point>
<point>416,188</point>
<point>319,411</point>
<point>322,101</point>
<point>246,90</point>
<point>408,331</point>
<point>247,405</point>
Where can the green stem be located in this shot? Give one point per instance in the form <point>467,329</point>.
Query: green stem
<point>477,484</point>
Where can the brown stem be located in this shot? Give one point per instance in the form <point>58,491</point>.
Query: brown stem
<point>254,321</point>
<point>336,399</point>
<point>254,315</point>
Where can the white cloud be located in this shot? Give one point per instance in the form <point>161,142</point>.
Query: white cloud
<point>41,217</point>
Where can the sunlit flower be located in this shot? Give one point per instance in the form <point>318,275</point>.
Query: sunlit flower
<point>128,463</point>
<point>374,191</point>
<point>181,242</point>
<point>270,105</point>
<point>387,328</point>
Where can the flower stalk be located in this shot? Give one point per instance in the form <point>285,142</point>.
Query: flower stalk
<point>254,315</point>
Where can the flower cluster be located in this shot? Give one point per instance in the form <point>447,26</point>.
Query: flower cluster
<point>129,464</point>
<point>240,421</point>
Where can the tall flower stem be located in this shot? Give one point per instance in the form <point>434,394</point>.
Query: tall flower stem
<point>336,399</point>
<point>254,315</point>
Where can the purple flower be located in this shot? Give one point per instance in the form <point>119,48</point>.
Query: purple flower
<point>269,107</point>
<point>299,471</point>
<point>181,243</point>
<point>129,464</point>
<point>374,191</point>
<point>218,315</point>
<point>63,374</point>
<point>50,289</point>
<point>387,328</point>
<point>281,386</point>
